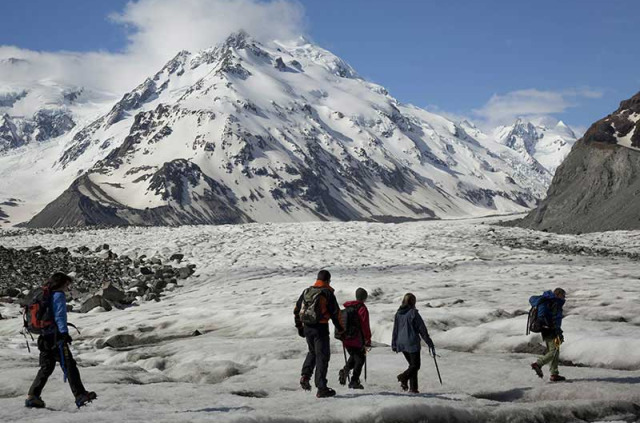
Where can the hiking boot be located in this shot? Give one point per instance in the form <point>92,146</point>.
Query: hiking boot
<point>34,402</point>
<point>343,375</point>
<point>403,382</point>
<point>355,384</point>
<point>414,391</point>
<point>85,398</point>
<point>325,393</point>
<point>557,378</point>
<point>304,383</point>
<point>536,368</point>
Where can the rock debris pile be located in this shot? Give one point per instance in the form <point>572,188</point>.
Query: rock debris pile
<point>101,277</point>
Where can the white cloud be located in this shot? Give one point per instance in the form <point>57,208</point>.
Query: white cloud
<point>162,27</point>
<point>157,30</point>
<point>530,103</point>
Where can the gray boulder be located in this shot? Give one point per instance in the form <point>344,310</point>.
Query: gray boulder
<point>185,272</point>
<point>10,292</point>
<point>122,340</point>
<point>177,257</point>
<point>145,271</point>
<point>93,302</point>
<point>111,293</point>
<point>159,285</point>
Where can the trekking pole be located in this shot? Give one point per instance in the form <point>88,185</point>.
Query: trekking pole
<point>63,362</point>
<point>365,368</point>
<point>437,368</point>
<point>344,351</point>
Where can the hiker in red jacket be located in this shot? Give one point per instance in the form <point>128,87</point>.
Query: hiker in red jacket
<point>357,338</point>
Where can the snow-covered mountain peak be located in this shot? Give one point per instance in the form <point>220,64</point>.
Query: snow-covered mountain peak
<point>279,131</point>
<point>543,140</point>
<point>563,128</point>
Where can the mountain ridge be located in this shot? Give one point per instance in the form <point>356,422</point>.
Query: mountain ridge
<point>294,134</point>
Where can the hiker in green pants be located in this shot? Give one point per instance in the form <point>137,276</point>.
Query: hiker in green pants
<point>552,356</point>
<point>549,313</point>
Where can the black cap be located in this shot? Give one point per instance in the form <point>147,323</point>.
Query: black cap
<point>324,276</point>
<point>361,294</point>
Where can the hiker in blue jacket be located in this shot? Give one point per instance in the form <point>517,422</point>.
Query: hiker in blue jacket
<point>550,315</point>
<point>408,328</point>
<point>54,346</point>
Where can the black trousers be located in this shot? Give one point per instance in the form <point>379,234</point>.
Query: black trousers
<point>50,352</point>
<point>357,357</point>
<point>319,353</point>
<point>411,374</point>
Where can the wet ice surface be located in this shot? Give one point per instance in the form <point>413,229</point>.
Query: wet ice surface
<point>472,289</point>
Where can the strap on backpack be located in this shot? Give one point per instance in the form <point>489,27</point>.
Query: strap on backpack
<point>26,340</point>
<point>357,307</point>
<point>528,331</point>
<point>24,329</point>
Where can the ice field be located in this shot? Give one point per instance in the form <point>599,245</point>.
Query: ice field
<point>472,290</point>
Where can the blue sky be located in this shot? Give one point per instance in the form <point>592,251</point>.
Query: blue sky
<point>573,59</point>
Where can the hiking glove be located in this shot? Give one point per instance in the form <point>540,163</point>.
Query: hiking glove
<point>432,351</point>
<point>301,332</point>
<point>430,344</point>
<point>557,341</point>
<point>67,338</point>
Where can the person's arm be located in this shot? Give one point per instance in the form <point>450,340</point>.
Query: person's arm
<point>296,315</point>
<point>394,335</point>
<point>556,315</point>
<point>60,312</point>
<point>363,313</point>
<point>334,310</point>
<point>422,330</point>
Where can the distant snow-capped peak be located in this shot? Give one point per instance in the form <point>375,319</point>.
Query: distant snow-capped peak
<point>543,139</point>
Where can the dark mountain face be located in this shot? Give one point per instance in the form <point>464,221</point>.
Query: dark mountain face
<point>597,187</point>
<point>623,123</point>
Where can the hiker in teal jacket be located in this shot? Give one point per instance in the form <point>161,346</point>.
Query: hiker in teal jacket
<point>408,328</point>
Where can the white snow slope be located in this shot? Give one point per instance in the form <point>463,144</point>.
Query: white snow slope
<point>471,290</point>
<point>293,134</point>
<point>36,122</point>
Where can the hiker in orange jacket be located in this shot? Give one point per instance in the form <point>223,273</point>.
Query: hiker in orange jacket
<point>315,307</point>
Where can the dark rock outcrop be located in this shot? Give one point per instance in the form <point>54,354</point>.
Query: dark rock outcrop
<point>77,207</point>
<point>596,188</point>
<point>42,126</point>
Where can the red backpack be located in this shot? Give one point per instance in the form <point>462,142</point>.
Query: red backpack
<point>37,312</point>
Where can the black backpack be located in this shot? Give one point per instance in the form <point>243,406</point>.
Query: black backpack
<point>310,311</point>
<point>37,312</point>
<point>350,320</point>
<point>535,322</point>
